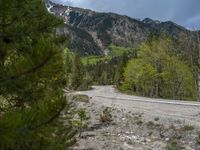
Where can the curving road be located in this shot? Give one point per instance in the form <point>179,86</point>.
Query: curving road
<point>172,110</point>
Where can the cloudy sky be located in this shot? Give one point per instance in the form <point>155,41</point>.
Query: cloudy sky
<point>183,12</point>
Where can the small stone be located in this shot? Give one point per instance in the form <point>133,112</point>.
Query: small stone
<point>166,139</point>
<point>148,140</point>
<point>188,148</point>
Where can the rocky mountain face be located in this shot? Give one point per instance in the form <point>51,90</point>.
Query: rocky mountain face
<point>92,32</point>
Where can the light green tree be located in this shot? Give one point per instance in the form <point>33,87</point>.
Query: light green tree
<point>158,72</point>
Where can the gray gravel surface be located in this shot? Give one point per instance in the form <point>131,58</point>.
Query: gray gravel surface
<point>139,123</point>
<point>168,110</point>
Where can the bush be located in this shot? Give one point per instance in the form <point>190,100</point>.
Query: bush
<point>188,128</point>
<point>82,121</point>
<point>106,116</point>
<point>172,145</point>
<point>156,118</point>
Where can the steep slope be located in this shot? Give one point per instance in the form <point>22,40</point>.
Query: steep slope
<point>92,32</point>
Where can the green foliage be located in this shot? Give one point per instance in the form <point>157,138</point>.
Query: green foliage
<point>32,73</point>
<point>173,145</point>
<point>139,76</point>
<point>119,78</point>
<point>102,72</point>
<point>38,127</point>
<point>77,78</point>
<point>77,72</point>
<point>119,51</point>
<point>188,128</point>
<point>82,121</point>
<point>92,60</point>
<point>157,72</point>
<point>108,69</point>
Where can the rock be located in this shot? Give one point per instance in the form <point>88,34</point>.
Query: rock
<point>189,148</point>
<point>158,145</point>
<point>167,139</point>
<point>123,119</point>
<point>197,147</point>
<point>148,140</point>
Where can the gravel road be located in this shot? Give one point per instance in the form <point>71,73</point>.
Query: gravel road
<point>168,110</point>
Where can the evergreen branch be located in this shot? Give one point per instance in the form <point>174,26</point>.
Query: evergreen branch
<point>32,70</point>
<point>41,30</point>
<point>48,121</point>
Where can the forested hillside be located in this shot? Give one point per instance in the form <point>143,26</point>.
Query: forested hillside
<point>156,69</point>
<point>91,33</point>
<point>111,40</point>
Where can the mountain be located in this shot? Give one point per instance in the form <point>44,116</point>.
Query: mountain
<point>92,32</point>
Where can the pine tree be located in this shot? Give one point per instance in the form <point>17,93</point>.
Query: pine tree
<point>31,79</point>
<point>118,78</point>
<point>77,72</point>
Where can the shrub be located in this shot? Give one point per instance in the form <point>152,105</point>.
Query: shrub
<point>106,116</point>
<point>156,119</point>
<point>188,128</point>
<point>82,121</point>
<point>173,145</point>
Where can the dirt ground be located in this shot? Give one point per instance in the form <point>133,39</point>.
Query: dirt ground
<point>138,125</point>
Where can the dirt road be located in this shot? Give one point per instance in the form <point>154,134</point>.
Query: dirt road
<point>167,110</point>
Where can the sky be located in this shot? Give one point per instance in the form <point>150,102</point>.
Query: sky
<point>182,12</point>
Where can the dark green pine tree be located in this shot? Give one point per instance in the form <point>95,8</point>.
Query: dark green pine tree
<point>77,72</point>
<point>31,79</point>
<point>122,61</point>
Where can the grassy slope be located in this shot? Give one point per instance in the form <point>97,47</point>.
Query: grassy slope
<point>115,51</point>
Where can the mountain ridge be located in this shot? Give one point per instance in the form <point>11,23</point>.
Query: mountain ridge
<point>92,32</point>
